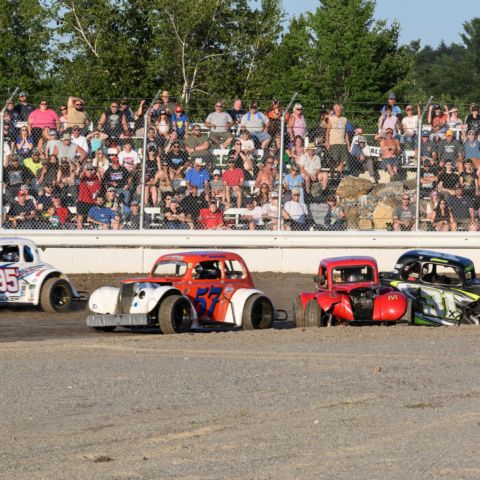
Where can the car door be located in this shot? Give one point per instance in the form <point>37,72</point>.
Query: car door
<point>11,283</point>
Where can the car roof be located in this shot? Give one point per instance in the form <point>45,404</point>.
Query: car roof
<point>18,240</point>
<point>348,261</point>
<point>201,255</point>
<point>432,256</point>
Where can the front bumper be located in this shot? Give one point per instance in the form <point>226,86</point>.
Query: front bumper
<point>118,320</point>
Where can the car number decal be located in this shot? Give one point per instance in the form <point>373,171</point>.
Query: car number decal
<point>203,295</point>
<point>9,280</point>
<point>437,303</point>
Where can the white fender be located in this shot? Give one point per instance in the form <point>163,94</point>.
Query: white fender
<point>237,303</point>
<point>103,300</point>
<point>41,271</point>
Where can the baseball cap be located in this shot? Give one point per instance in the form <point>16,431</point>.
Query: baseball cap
<point>437,107</point>
<point>21,193</point>
<point>392,96</point>
<point>425,133</point>
<point>165,93</point>
<point>362,140</point>
<point>449,133</point>
<point>22,94</point>
<point>199,161</point>
<point>54,133</point>
<point>295,191</point>
<point>311,146</point>
<point>274,194</point>
<point>216,172</point>
<point>179,108</point>
<point>66,136</point>
<point>253,105</point>
<point>111,189</point>
<point>134,202</point>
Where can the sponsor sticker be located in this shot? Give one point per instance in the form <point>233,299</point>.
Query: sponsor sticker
<point>229,288</point>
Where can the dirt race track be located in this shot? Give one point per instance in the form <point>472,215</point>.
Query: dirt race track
<point>339,403</point>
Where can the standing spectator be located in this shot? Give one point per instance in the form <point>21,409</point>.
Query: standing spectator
<point>257,125</point>
<point>88,189</point>
<point>389,152</point>
<point>119,177</point>
<point>297,125</point>
<point>449,149</point>
<point>294,213</point>
<point>76,115</point>
<point>318,134</point>
<point>24,144</point>
<point>23,109</point>
<point>211,218</point>
<point>192,203</point>
<point>454,121</point>
<point>448,179</point>
<point>473,120</point>
<point>462,210</point>
<point>391,102</point>
<point>404,215</point>
<point>22,212</point>
<point>386,122</point>
<point>442,217</point>
<point>310,167</point>
<point>274,115</point>
<point>472,148</point>
<point>40,118</point>
<point>197,145</point>
<point>16,175</point>
<point>102,217</point>
<point>69,149</point>
<point>437,119</point>
<point>113,122</point>
<point>139,119</point>
<point>335,217</point>
<point>180,122</point>
<point>128,157</point>
<point>236,112</point>
<point>219,123</point>
<point>233,179</point>
<point>126,110</point>
<point>198,176</point>
<point>166,103</point>
<point>338,142</point>
<point>79,139</point>
<point>410,125</point>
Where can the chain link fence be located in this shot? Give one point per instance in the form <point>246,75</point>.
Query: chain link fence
<point>147,166</point>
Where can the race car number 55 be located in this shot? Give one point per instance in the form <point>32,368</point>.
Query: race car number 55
<point>9,280</point>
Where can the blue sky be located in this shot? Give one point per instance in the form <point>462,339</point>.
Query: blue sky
<point>430,21</point>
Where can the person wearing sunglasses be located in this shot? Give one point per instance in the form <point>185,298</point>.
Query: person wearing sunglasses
<point>297,124</point>
<point>23,109</point>
<point>40,118</point>
<point>76,114</point>
<point>220,123</point>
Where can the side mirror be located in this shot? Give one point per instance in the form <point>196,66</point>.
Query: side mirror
<point>320,279</point>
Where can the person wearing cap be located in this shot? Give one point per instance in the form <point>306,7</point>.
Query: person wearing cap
<point>180,121</point>
<point>295,212</point>
<point>76,114</point>
<point>392,102</point>
<point>337,139</point>
<point>88,189</point>
<point>132,219</point>
<point>166,103</point>
<point>310,168</point>
<point>473,120</point>
<point>125,108</point>
<point>119,177</point>
<point>472,148</point>
<point>389,152</point>
<point>176,218</point>
<point>113,122</point>
<point>361,159</point>
<point>257,125</point>
<point>428,177</point>
<point>220,123</point>
<point>69,149</point>
<point>102,217</point>
<point>462,208</point>
<point>110,197</point>
<point>34,162</point>
<point>437,119</point>
<point>449,149</point>
<point>211,218</point>
<point>177,159</point>
<point>217,187</point>
<point>409,126</point>
<point>294,181</point>
<point>297,125</point>
<point>270,212</point>
<point>79,139</point>
<point>198,176</point>
<point>23,109</point>
<point>22,212</point>
<point>47,145</point>
<point>197,145</point>
<point>454,120</point>
<point>45,197</point>
<point>15,174</point>
<point>233,178</point>
<point>404,215</point>
<point>387,121</point>
<point>427,146</point>
<point>40,118</point>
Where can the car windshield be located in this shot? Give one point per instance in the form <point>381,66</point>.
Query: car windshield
<point>469,273</point>
<point>170,268</point>
<point>361,273</point>
<point>439,274</point>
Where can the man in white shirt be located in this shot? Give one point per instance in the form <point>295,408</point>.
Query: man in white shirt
<point>79,139</point>
<point>128,157</point>
<point>410,125</point>
<point>294,213</point>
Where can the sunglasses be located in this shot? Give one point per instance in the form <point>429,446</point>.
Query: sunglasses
<point>43,103</point>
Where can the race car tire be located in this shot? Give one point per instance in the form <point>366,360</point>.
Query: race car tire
<point>298,313</point>
<point>314,316</point>
<point>103,329</point>
<point>258,313</point>
<point>175,315</point>
<point>56,295</point>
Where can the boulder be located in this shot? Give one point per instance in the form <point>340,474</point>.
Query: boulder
<point>351,216</point>
<point>392,188</point>
<point>383,214</point>
<point>365,224</point>
<point>353,187</point>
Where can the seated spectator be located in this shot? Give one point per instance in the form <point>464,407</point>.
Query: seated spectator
<point>175,217</point>
<point>243,160</point>
<point>211,218</point>
<point>126,110</point>
<point>274,115</point>
<point>297,125</point>
<point>119,177</point>
<point>163,179</point>
<point>448,179</point>
<point>24,144</point>
<point>247,145</point>
<point>49,219</point>
<point>33,163</point>
<point>442,218</point>
<point>99,216</point>
<point>62,212</point>
<point>233,179</point>
<point>197,145</point>
<point>361,159</point>
<point>294,181</point>
<point>295,213</point>
<point>113,122</point>
<point>67,176</point>
<point>192,203</point>
<point>49,172</point>
<point>409,126</point>
<point>267,174</point>
<point>263,196</point>
<point>428,178</point>
<point>163,125</point>
<point>110,197</point>
<point>48,143</point>
<point>438,120</point>
<point>69,149</point>
<point>468,178</point>
<point>404,215</point>
<point>16,175</point>
<point>44,139</point>
<point>101,163</point>
<point>257,125</point>
<point>253,216</point>
<point>154,140</point>
<point>129,158</point>
<point>180,122</point>
<point>335,217</point>
<point>389,152</point>
<point>22,212</point>
<point>462,209</point>
<point>427,147</point>
<point>45,198</point>
<point>431,204</point>
<point>310,168</point>
<point>220,123</point>
<point>23,109</point>
<point>132,220</point>
<point>79,139</point>
<point>449,149</point>
<point>96,141</point>
<point>270,212</point>
<point>217,188</point>
<point>177,159</point>
<point>236,112</point>
<point>88,189</point>
<point>198,176</point>
<point>392,103</point>
<point>472,148</point>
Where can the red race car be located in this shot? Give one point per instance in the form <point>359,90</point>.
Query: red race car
<point>348,290</point>
<point>184,290</point>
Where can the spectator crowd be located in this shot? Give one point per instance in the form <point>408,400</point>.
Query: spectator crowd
<point>62,169</point>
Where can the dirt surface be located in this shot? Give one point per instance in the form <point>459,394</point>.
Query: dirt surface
<point>336,403</point>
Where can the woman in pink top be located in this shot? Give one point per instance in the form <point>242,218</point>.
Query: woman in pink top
<point>296,123</point>
<point>40,118</point>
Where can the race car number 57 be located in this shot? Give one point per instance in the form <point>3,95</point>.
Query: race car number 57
<point>9,280</point>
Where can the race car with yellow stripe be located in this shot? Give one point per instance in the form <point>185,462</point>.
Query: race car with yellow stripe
<point>442,289</point>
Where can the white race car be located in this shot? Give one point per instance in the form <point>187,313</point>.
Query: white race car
<point>24,279</point>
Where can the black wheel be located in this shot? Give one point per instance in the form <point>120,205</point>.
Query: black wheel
<point>471,315</point>
<point>314,316</point>
<point>104,329</point>
<point>56,295</point>
<point>175,315</point>
<point>298,313</point>
<point>258,313</point>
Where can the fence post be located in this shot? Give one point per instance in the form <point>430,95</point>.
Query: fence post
<point>419,164</point>
<point>144,159</point>
<point>2,138</point>
<point>282,151</point>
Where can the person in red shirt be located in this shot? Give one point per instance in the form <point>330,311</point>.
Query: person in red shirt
<point>88,190</point>
<point>211,218</point>
<point>63,213</point>
<point>233,179</point>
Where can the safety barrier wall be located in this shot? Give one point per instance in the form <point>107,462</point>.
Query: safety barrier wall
<point>132,252</point>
